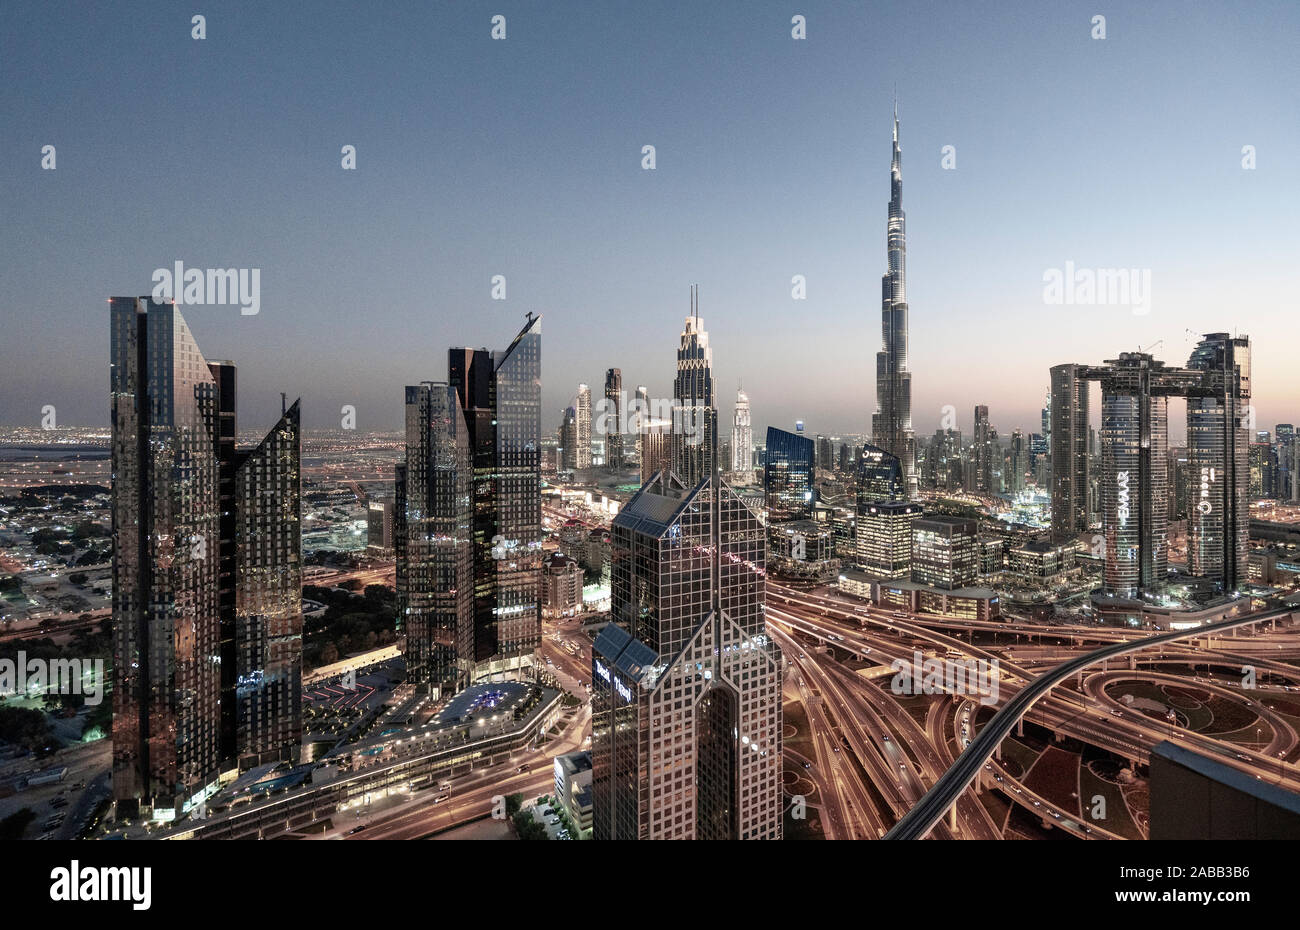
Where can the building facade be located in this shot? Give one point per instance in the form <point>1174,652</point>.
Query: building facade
<point>611,419</point>
<point>686,702</point>
<point>945,552</point>
<point>695,414</point>
<point>788,476</point>
<point>436,554</point>
<point>742,442</point>
<point>207,616</point>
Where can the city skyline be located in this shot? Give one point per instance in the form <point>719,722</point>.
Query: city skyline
<point>783,209</point>
<point>1015,554</point>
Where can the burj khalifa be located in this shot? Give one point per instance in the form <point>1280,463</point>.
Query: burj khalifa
<point>891,425</point>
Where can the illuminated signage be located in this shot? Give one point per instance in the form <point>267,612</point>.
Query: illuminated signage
<point>624,691</point>
<point>1121,478</point>
<point>1207,479</point>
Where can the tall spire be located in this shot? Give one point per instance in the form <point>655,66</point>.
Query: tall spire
<point>891,426</point>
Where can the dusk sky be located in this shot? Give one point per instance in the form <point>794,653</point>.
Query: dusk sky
<point>523,158</point>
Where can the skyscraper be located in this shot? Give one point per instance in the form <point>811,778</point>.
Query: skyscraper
<point>207,619</point>
<point>611,419</point>
<point>1288,489</point>
<point>1135,474</point>
<point>582,406</point>
<point>686,702</point>
<point>166,561</point>
<point>695,415</point>
<point>879,478</point>
<point>637,417</point>
<point>656,450</point>
<point>982,454</point>
<point>268,595</point>
<point>1069,452</point>
<point>1218,443</point>
<point>1017,462</point>
<point>742,442</point>
<point>568,441</point>
<point>788,476</point>
<point>436,600</point>
<point>1135,482</point>
<point>891,425</point>
<point>500,397</point>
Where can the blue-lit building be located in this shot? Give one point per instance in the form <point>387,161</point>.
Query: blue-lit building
<point>788,476</point>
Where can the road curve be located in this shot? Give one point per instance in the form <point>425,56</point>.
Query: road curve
<point>927,812</point>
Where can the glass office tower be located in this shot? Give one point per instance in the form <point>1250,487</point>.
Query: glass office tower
<point>879,477</point>
<point>1135,474</point>
<point>268,595</point>
<point>612,419</point>
<point>166,561</point>
<point>1069,452</point>
<point>1218,448</point>
<point>686,703</point>
<point>788,476</point>
<point>501,400</point>
<point>436,546</point>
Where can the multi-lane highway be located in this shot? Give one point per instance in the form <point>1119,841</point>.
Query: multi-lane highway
<point>927,813</point>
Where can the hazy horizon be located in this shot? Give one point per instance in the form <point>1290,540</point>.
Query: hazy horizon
<point>522,158</point>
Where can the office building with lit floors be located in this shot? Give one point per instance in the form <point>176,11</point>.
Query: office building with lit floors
<point>268,596</point>
<point>884,538</point>
<point>166,543</point>
<point>207,618</point>
<point>788,476</point>
<point>686,684</point>
<point>1069,451</point>
<point>1218,444</point>
<point>435,541</point>
<point>500,395</point>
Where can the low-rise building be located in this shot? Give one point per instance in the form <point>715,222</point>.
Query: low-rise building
<point>573,789</point>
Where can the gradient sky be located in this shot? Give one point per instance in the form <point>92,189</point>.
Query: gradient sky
<point>522,157</point>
